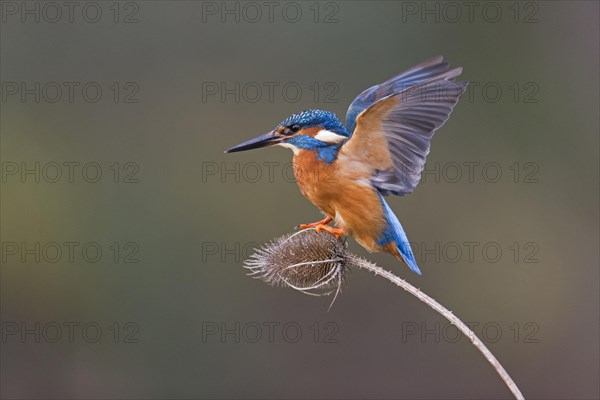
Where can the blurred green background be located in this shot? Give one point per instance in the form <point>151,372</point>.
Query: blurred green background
<point>179,85</point>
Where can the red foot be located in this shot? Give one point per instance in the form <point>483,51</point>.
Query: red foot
<point>314,224</point>
<point>337,232</point>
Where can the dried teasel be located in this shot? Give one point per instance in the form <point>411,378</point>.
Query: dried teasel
<point>316,263</point>
<point>313,263</point>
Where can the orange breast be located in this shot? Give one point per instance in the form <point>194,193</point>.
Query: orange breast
<point>343,194</point>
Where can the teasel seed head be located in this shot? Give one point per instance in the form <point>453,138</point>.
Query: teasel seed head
<point>311,262</point>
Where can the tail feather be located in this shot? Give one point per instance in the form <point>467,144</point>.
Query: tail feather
<point>394,233</point>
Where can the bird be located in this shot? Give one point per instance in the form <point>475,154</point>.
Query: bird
<point>347,170</point>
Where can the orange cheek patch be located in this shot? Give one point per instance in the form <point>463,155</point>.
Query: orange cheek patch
<point>310,131</point>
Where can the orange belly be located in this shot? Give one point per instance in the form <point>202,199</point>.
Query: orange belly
<point>344,195</point>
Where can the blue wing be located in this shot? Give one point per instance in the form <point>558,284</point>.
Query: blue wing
<point>417,74</point>
<point>392,135</point>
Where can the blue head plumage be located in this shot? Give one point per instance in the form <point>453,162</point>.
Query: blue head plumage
<point>326,151</point>
<point>312,118</point>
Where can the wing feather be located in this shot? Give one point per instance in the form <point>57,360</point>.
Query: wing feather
<point>420,73</point>
<point>393,134</point>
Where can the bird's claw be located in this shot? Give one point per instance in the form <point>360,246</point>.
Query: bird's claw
<point>306,226</point>
<point>314,224</point>
<point>337,232</point>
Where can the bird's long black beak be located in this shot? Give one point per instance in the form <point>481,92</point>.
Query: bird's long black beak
<point>268,139</point>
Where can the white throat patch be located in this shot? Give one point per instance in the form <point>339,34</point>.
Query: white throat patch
<point>290,146</point>
<point>329,137</point>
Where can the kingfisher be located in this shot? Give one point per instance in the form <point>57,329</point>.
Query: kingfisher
<point>347,170</point>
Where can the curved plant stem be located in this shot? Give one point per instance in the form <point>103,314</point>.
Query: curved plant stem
<point>362,263</point>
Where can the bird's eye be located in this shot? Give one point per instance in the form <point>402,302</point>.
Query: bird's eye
<point>290,130</point>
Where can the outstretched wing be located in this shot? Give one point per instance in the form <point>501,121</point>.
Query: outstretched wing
<point>392,135</point>
<point>414,76</point>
